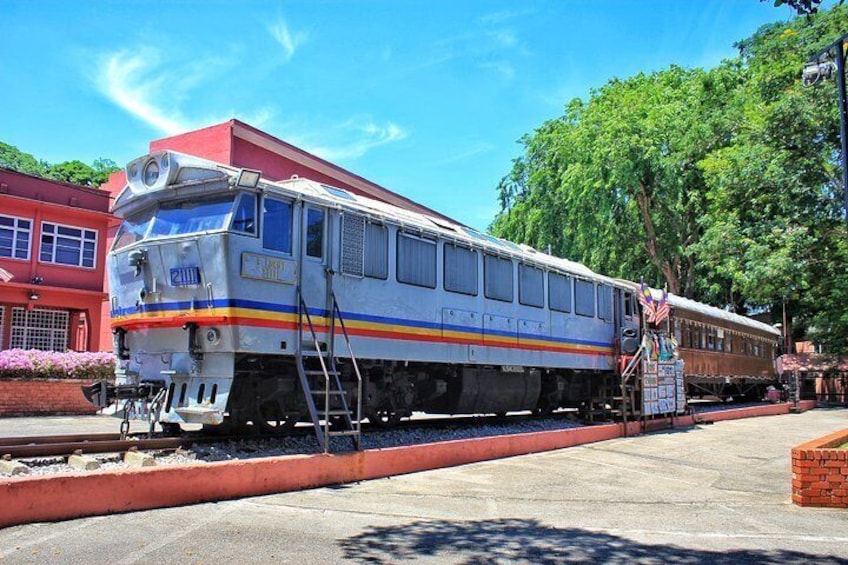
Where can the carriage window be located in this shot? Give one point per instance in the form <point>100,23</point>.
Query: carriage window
<point>497,277</point>
<point>584,298</point>
<point>728,345</point>
<point>315,232</point>
<point>244,220</point>
<point>604,302</point>
<point>559,292</point>
<point>531,286</point>
<point>277,225</point>
<point>416,261</point>
<point>460,269</point>
<point>376,251</point>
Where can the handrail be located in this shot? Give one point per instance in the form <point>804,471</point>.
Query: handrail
<point>630,370</point>
<point>358,423</point>
<point>325,440</point>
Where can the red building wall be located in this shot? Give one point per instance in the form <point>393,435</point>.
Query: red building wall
<point>39,297</point>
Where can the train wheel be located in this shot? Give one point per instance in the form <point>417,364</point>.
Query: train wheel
<point>272,418</point>
<point>384,418</point>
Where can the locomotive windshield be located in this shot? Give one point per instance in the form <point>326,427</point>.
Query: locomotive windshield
<point>176,218</point>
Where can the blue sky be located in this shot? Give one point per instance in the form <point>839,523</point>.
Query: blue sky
<point>425,98</point>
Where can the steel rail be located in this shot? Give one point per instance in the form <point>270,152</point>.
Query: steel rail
<point>66,448</point>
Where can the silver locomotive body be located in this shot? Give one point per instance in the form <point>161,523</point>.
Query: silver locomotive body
<point>213,271</point>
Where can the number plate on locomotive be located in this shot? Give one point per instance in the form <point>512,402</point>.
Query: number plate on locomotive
<point>185,276</point>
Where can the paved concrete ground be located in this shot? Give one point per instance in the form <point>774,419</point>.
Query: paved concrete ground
<point>716,494</point>
<point>48,425</point>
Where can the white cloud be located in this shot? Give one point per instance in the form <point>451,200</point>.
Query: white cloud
<point>134,82</point>
<point>154,89</point>
<point>353,138</point>
<point>288,41</point>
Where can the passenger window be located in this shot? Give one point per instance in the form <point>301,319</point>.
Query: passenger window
<point>460,269</point>
<point>244,220</point>
<point>314,232</point>
<point>531,286</point>
<point>376,251</point>
<point>416,261</point>
<point>497,277</point>
<point>277,225</point>
<point>584,295</point>
<point>559,292</point>
<point>628,305</point>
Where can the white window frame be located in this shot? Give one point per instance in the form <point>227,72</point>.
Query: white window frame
<point>39,325</point>
<point>15,231</point>
<point>81,239</point>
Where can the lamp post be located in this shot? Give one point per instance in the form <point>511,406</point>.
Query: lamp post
<point>821,67</point>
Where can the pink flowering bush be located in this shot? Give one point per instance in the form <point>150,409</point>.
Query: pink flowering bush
<point>36,364</point>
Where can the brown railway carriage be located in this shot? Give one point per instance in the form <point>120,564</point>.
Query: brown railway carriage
<point>724,354</point>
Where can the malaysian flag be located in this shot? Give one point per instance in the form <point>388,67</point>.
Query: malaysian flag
<point>646,299</point>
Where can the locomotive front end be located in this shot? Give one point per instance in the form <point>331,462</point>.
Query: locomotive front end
<point>169,287</point>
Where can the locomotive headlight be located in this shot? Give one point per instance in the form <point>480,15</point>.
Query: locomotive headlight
<point>151,173</point>
<point>213,336</point>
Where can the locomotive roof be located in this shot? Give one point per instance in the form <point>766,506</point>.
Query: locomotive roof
<point>423,223</point>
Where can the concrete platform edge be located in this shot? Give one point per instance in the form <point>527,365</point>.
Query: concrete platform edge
<point>67,496</point>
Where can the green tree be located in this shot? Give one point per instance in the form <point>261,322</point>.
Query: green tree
<point>75,171</point>
<point>773,223</point>
<point>615,182</point>
<point>723,184</point>
<point>13,158</point>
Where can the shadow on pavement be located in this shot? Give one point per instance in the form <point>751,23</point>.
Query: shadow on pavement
<point>530,541</point>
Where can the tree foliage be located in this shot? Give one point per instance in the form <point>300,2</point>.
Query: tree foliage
<point>75,171</point>
<point>722,184</point>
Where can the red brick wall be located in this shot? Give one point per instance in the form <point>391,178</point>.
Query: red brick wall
<point>41,397</point>
<point>820,472</point>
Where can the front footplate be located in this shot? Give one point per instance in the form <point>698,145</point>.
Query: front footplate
<point>104,393</point>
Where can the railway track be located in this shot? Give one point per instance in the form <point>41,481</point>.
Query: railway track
<point>91,443</point>
<point>65,445</point>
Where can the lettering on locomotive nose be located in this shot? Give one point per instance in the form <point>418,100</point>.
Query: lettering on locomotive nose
<point>268,268</point>
<point>185,276</point>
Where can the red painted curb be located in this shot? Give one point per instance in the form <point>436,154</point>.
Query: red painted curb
<point>62,497</point>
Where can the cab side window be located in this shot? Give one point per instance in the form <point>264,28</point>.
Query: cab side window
<point>244,220</point>
<point>277,225</point>
<point>315,232</point>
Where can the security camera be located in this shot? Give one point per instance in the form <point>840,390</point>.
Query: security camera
<point>816,71</point>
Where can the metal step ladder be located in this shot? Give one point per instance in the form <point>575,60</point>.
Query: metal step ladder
<point>631,385</point>
<point>325,396</point>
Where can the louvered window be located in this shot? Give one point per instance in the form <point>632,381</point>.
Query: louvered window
<point>376,251</point>
<point>416,260</point>
<point>584,298</point>
<point>531,286</point>
<point>460,269</point>
<point>353,244</point>
<point>498,277</point>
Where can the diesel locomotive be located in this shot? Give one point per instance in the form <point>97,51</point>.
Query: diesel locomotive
<point>238,301</point>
